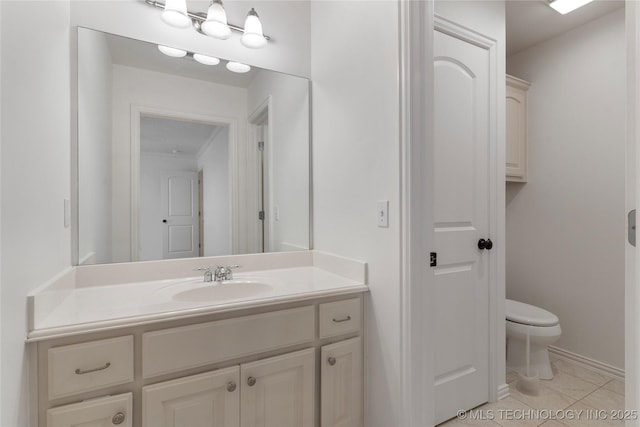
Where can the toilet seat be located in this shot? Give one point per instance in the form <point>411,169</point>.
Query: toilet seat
<point>525,314</point>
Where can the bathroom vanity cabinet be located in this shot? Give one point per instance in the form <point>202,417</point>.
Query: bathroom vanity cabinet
<point>516,129</point>
<point>292,364</point>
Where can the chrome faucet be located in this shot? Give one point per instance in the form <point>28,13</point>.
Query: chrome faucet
<point>208,275</point>
<point>222,273</point>
<point>219,274</point>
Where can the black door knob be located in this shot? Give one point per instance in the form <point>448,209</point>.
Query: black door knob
<point>164,220</point>
<point>485,244</point>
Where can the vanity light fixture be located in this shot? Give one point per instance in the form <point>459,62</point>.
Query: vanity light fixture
<point>566,6</point>
<point>205,60</point>
<point>238,67</point>
<point>172,51</point>
<point>253,37</point>
<point>175,14</point>
<point>214,23</point>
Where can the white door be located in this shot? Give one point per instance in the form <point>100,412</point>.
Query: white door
<point>461,219</point>
<point>180,221</point>
<point>279,391</point>
<point>341,384</point>
<point>102,412</point>
<point>211,399</point>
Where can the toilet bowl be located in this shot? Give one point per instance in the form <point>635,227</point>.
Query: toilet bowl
<point>543,328</point>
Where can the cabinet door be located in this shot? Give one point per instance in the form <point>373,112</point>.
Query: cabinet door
<point>516,130</point>
<point>102,412</point>
<point>206,400</point>
<point>279,391</point>
<point>341,384</point>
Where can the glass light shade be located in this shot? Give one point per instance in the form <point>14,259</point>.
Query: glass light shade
<point>216,23</point>
<point>175,14</point>
<point>172,51</point>
<point>237,67</point>
<point>206,60</point>
<point>253,37</point>
<point>565,6</point>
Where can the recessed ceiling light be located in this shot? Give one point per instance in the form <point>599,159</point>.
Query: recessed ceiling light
<point>566,6</point>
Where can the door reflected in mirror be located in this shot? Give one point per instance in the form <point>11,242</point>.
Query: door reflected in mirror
<point>178,159</point>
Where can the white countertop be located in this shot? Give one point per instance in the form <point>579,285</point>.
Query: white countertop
<point>70,311</point>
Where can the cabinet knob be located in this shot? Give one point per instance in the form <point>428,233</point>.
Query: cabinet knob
<point>231,386</point>
<point>251,381</point>
<point>118,418</point>
<point>331,360</point>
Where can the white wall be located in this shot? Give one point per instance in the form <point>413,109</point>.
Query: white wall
<point>356,161</point>
<point>216,198</point>
<point>35,176</point>
<point>94,151</point>
<point>153,166</point>
<point>132,86</point>
<point>288,156</point>
<point>566,226</point>
<point>287,22</point>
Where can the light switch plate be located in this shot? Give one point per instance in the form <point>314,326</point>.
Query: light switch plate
<point>383,213</point>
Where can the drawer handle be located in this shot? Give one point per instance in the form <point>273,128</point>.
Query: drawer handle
<point>251,381</point>
<point>344,319</point>
<point>88,371</point>
<point>231,386</point>
<point>331,360</point>
<point>118,418</point>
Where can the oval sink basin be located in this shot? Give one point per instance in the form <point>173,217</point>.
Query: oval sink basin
<point>232,289</point>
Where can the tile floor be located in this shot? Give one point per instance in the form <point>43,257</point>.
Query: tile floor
<point>576,396</point>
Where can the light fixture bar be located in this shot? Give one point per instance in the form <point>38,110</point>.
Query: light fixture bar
<point>200,18</point>
<point>565,6</point>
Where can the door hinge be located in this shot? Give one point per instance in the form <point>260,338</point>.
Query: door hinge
<point>433,259</point>
<point>631,231</point>
<point>261,215</point>
<point>260,145</point>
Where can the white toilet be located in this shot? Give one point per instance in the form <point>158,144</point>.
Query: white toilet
<point>543,328</point>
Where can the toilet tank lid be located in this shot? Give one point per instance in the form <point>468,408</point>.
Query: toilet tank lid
<point>526,314</point>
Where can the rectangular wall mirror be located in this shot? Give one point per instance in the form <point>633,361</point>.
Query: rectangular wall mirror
<point>178,159</point>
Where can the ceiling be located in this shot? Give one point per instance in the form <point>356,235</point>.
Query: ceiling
<point>168,136</point>
<point>530,22</point>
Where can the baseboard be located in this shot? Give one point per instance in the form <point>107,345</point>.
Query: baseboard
<point>503,391</point>
<point>603,368</point>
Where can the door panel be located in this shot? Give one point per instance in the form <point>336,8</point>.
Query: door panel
<point>341,384</point>
<point>279,392</point>
<point>180,204</point>
<point>461,218</point>
<point>211,399</point>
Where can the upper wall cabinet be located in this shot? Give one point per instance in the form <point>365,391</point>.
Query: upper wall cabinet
<point>516,122</point>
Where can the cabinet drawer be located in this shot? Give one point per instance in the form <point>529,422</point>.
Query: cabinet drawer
<point>175,349</point>
<point>105,411</point>
<point>340,317</point>
<point>89,366</point>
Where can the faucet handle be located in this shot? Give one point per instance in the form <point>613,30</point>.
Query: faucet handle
<point>203,269</point>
